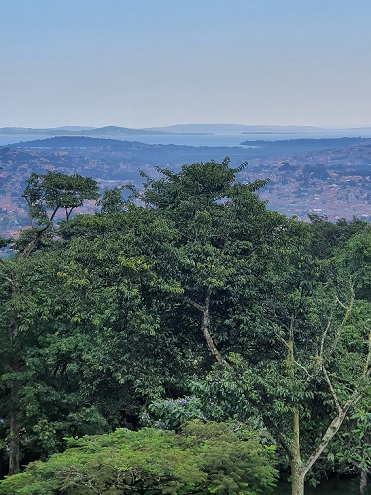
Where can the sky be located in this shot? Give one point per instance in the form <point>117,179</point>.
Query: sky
<point>143,63</point>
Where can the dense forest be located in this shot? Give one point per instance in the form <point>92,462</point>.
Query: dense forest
<point>182,340</point>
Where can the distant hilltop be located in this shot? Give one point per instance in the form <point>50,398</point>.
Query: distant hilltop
<point>110,130</point>
<point>266,129</point>
<point>188,129</point>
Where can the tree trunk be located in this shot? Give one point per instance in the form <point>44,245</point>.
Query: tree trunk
<point>13,437</point>
<point>297,479</point>
<point>205,330</point>
<point>205,323</point>
<point>363,483</point>
<point>13,446</point>
<point>297,474</point>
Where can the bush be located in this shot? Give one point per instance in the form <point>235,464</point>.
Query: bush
<point>203,458</point>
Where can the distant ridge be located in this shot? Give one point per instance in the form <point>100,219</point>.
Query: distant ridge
<point>137,148</point>
<point>265,129</point>
<point>78,142</point>
<point>189,129</point>
<point>92,142</point>
<point>110,130</point>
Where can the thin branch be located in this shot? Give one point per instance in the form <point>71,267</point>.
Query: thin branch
<point>205,325</point>
<point>331,431</point>
<point>366,370</point>
<point>348,310</point>
<point>340,303</point>
<point>291,329</point>
<point>281,339</point>
<point>68,213</point>
<point>29,212</point>
<point>324,334</point>
<point>205,330</point>
<point>194,304</point>
<point>54,213</point>
<point>303,368</point>
<point>350,305</point>
<point>332,390</point>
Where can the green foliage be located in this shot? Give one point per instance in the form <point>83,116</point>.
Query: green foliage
<point>204,458</point>
<point>356,446</point>
<point>357,258</point>
<point>54,190</point>
<point>135,303</point>
<point>57,189</point>
<point>171,414</point>
<point>5,242</point>
<point>117,199</point>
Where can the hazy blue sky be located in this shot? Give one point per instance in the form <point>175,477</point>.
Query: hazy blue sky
<point>159,62</point>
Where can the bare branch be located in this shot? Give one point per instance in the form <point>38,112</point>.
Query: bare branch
<point>29,212</point>
<point>68,213</point>
<point>366,370</point>
<point>205,309</point>
<point>205,329</point>
<point>348,310</point>
<point>281,339</point>
<point>344,306</point>
<point>194,304</point>
<point>350,305</point>
<point>331,431</point>
<point>331,388</point>
<point>303,368</point>
<point>353,399</point>
<point>324,334</point>
<point>54,212</point>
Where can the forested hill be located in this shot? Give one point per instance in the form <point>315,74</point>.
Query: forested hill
<point>250,148</point>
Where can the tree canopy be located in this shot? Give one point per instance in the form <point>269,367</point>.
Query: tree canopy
<point>188,300</point>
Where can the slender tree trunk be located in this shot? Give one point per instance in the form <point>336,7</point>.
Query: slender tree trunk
<point>13,438</point>
<point>205,324</point>
<point>205,329</point>
<point>297,475</point>
<point>363,483</point>
<point>14,455</point>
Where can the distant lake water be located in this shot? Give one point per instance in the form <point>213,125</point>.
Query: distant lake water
<point>225,139</point>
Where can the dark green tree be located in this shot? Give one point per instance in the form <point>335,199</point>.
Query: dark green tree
<point>49,194</point>
<point>46,195</point>
<point>224,238</point>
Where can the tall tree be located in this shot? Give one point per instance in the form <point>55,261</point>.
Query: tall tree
<point>46,195</point>
<point>222,233</point>
<point>317,365</point>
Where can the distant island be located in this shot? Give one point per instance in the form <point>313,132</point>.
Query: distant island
<point>110,130</point>
<point>267,132</point>
<point>187,130</point>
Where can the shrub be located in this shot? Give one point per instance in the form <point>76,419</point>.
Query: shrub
<point>202,458</point>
